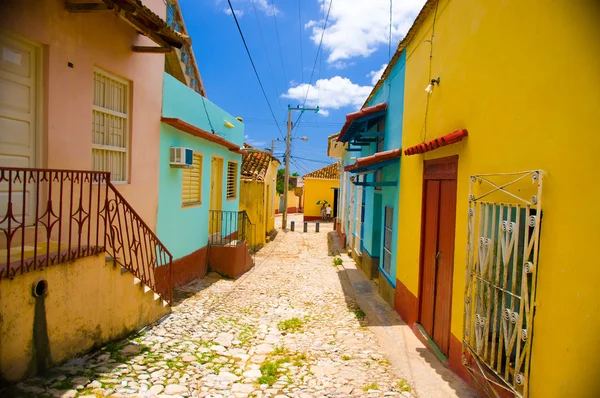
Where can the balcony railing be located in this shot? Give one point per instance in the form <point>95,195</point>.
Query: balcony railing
<point>49,217</point>
<point>230,228</point>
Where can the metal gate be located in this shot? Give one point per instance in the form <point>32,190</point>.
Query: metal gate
<point>502,263</point>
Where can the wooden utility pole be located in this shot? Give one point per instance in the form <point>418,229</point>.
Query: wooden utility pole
<point>286,178</point>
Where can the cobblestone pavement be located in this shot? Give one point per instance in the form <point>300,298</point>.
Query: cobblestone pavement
<point>285,329</point>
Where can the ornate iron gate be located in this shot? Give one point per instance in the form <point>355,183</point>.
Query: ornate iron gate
<point>502,262</point>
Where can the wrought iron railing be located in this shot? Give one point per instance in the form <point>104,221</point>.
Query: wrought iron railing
<point>49,217</point>
<point>230,228</point>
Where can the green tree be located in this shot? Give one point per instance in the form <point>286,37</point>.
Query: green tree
<point>280,181</point>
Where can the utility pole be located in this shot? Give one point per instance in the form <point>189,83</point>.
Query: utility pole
<point>286,179</point>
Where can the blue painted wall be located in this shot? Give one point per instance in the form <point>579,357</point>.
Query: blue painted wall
<point>185,229</point>
<point>392,92</point>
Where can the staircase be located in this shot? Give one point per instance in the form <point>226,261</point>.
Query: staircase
<point>231,243</point>
<point>49,217</point>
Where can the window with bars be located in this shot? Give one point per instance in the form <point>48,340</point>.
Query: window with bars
<point>387,239</point>
<point>231,180</point>
<point>191,183</point>
<point>378,178</point>
<point>110,125</point>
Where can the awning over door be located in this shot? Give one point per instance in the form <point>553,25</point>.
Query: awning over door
<point>439,142</point>
<point>375,162</point>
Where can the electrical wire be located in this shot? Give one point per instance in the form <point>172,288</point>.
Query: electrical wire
<point>390,41</point>
<point>311,160</point>
<point>254,67</point>
<point>424,128</point>
<point>300,30</point>
<point>314,64</point>
<point>262,38</point>
<point>278,42</point>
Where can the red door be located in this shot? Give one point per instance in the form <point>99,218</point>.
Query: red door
<point>437,248</point>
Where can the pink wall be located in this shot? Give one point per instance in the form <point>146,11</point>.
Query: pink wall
<point>93,39</point>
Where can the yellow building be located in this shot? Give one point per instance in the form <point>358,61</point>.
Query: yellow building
<point>257,191</point>
<point>511,104</point>
<point>319,186</point>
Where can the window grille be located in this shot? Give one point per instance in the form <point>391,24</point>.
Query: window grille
<point>231,180</point>
<point>110,125</point>
<point>504,219</point>
<point>191,183</point>
<point>378,178</point>
<point>387,239</point>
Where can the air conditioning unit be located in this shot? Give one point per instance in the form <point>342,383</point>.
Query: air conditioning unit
<point>181,157</point>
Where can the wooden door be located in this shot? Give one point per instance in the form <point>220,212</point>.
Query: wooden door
<point>437,249</point>
<point>18,119</point>
<point>216,193</point>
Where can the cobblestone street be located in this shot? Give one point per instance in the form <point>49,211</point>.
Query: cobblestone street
<point>286,328</point>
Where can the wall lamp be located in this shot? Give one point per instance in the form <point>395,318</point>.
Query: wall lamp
<point>433,82</point>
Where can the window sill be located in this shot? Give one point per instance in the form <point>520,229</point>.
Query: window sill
<point>191,205</point>
<point>231,199</point>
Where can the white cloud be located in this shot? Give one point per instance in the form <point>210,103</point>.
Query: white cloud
<point>253,142</point>
<point>334,93</point>
<point>238,13</point>
<point>264,6</point>
<point>376,74</point>
<point>358,27</point>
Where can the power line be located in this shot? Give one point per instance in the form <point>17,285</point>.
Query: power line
<point>311,160</point>
<point>262,38</point>
<point>278,42</point>
<point>314,64</point>
<point>300,30</point>
<point>254,66</point>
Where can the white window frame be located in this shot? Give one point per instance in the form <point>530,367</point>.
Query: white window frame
<point>127,130</point>
<point>358,222</point>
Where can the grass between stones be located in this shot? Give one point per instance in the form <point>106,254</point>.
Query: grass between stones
<point>290,325</point>
<point>402,386</point>
<point>372,386</point>
<point>272,369</point>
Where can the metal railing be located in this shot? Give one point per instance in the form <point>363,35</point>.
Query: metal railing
<point>49,217</point>
<point>230,228</point>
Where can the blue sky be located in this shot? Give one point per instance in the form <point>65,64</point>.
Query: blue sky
<point>354,51</point>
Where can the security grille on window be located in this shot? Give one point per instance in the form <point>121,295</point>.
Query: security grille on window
<point>191,183</point>
<point>231,180</point>
<point>387,240</point>
<point>110,125</point>
<point>504,221</point>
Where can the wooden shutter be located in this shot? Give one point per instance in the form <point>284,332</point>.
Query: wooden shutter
<point>231,180</point>
<point>191,182</point>
<point>110,125</point>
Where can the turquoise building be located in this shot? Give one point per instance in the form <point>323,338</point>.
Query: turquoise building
<point>369,190</point>
<point>199,177</point>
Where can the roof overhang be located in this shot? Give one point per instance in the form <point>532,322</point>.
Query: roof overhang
<point>374,162</point>
<point>439,142</point>
<point>357,123</point>
<point>198,132</point>
<point>140,17</point>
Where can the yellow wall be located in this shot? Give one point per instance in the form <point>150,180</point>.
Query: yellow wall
<point>252,199</point>
<point>522,77</point>
<point>259,199</point>
<point>318,189</point>
<point>293,200</point>
<point>89,303</point>
<point>271,196</point>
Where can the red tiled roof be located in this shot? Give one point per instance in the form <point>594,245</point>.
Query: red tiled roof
<point>198,132</point>
<point>255,163</point>
<point>374,159</point>
<point>351,117</point>
<point>447,139</point>
<point>330,172</point>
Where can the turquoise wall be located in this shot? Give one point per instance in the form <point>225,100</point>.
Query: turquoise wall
<point>180,101</point>
<point>184,230</point>
<point>392,92</point>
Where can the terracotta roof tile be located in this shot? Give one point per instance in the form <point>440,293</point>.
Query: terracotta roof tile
<point>330,172</point>
<point>447,139</point>
<point>255,163</point>
<point>374,159</point>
